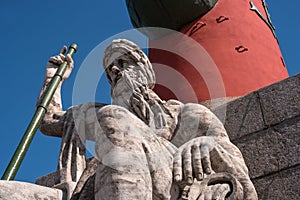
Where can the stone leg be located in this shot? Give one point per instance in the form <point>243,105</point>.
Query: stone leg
<point>135,163</point>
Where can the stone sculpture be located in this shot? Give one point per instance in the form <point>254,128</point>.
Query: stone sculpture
<point>146,148</point>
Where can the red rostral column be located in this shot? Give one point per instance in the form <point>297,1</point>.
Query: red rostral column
<point>238,36</point>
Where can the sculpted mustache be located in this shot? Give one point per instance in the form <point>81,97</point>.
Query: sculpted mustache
<point>130,81</point>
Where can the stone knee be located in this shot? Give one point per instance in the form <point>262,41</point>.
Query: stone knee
<point>120,126</point>
<point>123,172</point>
<point>120,143</point>
<point>129,146</point>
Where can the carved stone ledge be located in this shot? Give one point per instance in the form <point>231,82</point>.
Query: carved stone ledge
<point>20,190</point>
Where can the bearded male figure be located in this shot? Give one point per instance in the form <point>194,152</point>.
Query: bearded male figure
<point>149,148</point>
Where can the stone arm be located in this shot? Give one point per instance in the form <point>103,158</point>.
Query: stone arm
<point>195,121</point>
<point>53,122</point>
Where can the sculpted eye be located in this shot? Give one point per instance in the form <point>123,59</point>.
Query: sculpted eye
<point>120,62</point>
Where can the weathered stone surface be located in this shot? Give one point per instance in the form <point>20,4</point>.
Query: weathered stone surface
<point>48,180</point>
<point>243,116</point>
<point>282,185</point>
<point>85,187</point>
<point>280,101</point>
<point>273,149</point>
<point>145,145</point>
<point>14,190</point>
<point>87,192</point>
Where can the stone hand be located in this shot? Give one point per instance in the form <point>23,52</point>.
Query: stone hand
<point>141,107</point>
<point>217,191</point>
<point>192,160</point>
<point>55,61</point>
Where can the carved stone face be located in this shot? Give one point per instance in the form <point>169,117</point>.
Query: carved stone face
<point>124,76</point>
<point>116,70</point>
<point>113,71</point>
<point>125,60</point>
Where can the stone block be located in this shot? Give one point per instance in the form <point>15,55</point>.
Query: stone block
<point>273,149</point>
<point>281,185</point>
<point>281,100</point>
<point>20,190</point>
<point>243,116</point>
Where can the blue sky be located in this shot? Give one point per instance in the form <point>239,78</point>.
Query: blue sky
<point>32,31</point>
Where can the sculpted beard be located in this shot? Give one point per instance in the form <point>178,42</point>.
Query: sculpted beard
<point>131,80</point>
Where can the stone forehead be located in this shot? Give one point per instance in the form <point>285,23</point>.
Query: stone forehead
<point>122,47</point>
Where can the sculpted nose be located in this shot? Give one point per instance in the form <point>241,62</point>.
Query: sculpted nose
<point>115,69</point>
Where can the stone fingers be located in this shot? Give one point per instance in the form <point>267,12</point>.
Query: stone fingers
<point>177,167</point>
<point>56,60</point>
<point>60,58</point>
<point>193,160</point>
<point>187,166</point>
<point>182,167</point>
<point>204,150</point>
<point>197,165</point>
<point>69,61</point>
<point>63,50</point>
